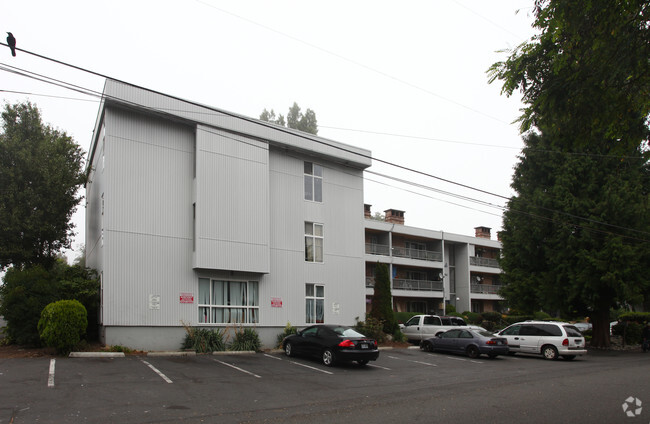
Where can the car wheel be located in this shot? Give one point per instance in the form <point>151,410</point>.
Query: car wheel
<point>288,349</point>
<point>473,352</point>
<point>427,347</point>
<point>328,357</point>
<point>569,357</point>
<point>549,352</point>
<point>363,363</point>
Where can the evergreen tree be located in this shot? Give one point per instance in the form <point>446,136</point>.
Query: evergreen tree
<point>381,306</point>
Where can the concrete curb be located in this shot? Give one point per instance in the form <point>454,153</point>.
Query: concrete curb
<point>413,347</point>
<point>234,352</point>
<point>96,355</point>
<point>385,347</point>
<point>171,353</point>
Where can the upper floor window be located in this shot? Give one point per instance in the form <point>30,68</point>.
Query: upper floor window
<point>313,242</point>
<point>313,182</point>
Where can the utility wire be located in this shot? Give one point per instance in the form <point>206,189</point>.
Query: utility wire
<point>278,128</point>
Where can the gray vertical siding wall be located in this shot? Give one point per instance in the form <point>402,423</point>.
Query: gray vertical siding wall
<point>247,184</point>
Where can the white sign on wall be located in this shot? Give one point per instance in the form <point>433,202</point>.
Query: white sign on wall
<point>154,301</point>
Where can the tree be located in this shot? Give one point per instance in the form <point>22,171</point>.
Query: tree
<point>41,169</point>
<point>576,236</point>
<point>26,292</point>
<point>381,306</point>
<point>295,119</point>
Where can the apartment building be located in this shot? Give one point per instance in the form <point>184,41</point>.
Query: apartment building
<point>197,216</point>
<point>432,269</point>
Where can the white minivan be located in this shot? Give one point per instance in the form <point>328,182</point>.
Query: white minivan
<point>551,339</point>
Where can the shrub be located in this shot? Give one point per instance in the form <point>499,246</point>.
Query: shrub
<point>26,292</point>
<point>62,324</point>
<point>398,336</point>
<point>288,330</point>
<point>495,317</point>
<point>203,340</point>
<point>402,317</point>
<point>246,339</point>
<point>473,318</point>
<point>489,325</point>
<point>450,309</point>
<point>541,316</point>
<point>633,332</point>
<point>372,328</point>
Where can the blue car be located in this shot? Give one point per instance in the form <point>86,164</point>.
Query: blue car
<point>472,343</point>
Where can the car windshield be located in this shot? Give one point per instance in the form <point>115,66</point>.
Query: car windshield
<point>571,331</point>
<point>347,332</point>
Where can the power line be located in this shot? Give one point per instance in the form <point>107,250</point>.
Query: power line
<point>268,125</point>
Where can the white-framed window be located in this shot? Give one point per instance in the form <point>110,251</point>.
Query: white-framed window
<point>313,182</point>
<point>228,301</point>
<point>314,303</point>
<point>313,242</point>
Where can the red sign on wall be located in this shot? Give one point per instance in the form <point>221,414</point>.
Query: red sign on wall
<point>187,297</point>
<point>276,302</point>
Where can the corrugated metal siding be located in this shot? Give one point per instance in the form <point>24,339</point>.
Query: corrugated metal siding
<point>232,202</point>
<point>147,218</point>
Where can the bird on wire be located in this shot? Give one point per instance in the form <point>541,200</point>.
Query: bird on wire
<point>11,41</point>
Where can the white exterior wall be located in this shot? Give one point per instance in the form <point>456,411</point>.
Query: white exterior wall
<point>145,238</point>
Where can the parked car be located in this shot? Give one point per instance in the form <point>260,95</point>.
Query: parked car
<point>421,327</point>
<point>583,326</point>
<point>547,338</point>
<point>332,343</point>
<point>473,343</point>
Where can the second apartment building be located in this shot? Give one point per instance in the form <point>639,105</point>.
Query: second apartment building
<point>432,269</point>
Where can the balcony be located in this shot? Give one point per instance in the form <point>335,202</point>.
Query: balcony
<point>404,284</point>
<point>485,288</point>
<point>489,262</point>
<point>403,252</point>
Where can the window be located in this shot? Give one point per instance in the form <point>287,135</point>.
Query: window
<point>313,182</point>
<point>228,301</point>
<point>314,304</point>
<point>313,242</point>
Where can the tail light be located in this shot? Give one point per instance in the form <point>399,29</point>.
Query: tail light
<point>346,343</point>
<point>565,342</point>
<point>491,342</point>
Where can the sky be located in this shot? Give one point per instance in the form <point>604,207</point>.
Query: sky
<point>405,80</point>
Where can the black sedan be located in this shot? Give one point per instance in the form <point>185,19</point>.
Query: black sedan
<point>473,343</point>
<point>332,343</point>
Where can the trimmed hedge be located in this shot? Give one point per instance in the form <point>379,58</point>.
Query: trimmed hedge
<point>62,324</point>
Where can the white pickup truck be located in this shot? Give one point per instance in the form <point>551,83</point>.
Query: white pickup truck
<point>422,327</point>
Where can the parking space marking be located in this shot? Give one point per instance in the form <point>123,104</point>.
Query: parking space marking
<point>271,356</point>
<point>313,368</point>
<point>464,360</point>
<point>50,377</point>
<point>163,376</point>
<point>417,362</point>
<point>237,368</point>
<point>378,366</point>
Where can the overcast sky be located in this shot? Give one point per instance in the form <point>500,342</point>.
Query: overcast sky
<point>406,80</point>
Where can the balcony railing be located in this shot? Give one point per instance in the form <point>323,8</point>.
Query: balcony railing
<point>489,262</point>
<point>403,252</point>
<point>485,288</point>
<point>404,284</point>
<point>417,285</point>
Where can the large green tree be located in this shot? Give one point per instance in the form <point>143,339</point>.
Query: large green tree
<point>576,236</point>
<point>295,119</point>
<point>381,305</point>
<point>41,171</point>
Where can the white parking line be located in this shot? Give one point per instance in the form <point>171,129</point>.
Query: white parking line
<point>163,376</point>
<point>237,368</point>
<point>417,362</point>
<point>271,356</point>
<point>464,360</point>
<point>50,378</point>
<point>378,366</point>
<point>313,368</point>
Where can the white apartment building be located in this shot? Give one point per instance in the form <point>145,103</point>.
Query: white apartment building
<point>432,269</point>
<point>198,216</point>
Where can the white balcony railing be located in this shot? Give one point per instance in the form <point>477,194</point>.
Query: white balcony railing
<point>485,288</point>
<point>403,252</point>
<point>489,262</point>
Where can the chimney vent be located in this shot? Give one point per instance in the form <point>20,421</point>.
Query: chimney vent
<point>394,216</point>
<point>483,232</point>
<point>366,211</point>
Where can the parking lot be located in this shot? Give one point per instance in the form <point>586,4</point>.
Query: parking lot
<point>404,385</point>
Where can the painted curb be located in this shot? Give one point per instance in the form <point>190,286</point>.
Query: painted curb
<point>96,355</point>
